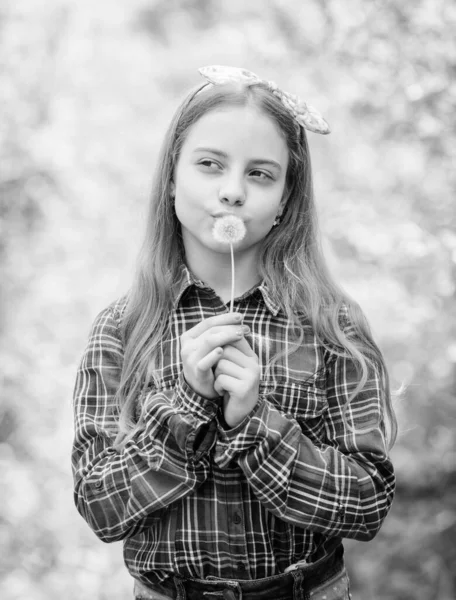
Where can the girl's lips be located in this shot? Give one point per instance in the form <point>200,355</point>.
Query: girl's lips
<point>220,215</point>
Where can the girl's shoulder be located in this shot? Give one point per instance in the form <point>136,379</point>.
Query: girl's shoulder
<point>119,306</point>
<point>115,310</point>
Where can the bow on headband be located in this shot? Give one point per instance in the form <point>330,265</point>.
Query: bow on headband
<point>306,116</point>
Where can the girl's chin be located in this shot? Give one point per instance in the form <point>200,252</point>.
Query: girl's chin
<point>221,248</point>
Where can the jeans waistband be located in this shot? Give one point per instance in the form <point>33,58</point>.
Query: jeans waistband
<point>302,579</point>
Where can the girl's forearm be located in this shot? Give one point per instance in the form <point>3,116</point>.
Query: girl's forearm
<point>320,488</point>
<point>118,494</point>
<point>119,491</point>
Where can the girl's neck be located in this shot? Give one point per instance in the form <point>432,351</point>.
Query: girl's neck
<point>214,270</point>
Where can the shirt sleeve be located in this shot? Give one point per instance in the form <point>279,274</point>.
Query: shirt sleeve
<point>343,487</point>
<point>121,492</point>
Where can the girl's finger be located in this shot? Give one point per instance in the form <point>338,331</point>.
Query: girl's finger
<point>225,383</point>
<point>244,346</point>
<point>218,388</point>
<point>196,349</point>
<point>211,359</point>
<point>227,367</point>
<point>218,320</point>
<point>211,339</point>
<point>237,352</point>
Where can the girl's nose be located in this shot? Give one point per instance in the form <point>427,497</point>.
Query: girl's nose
<point>232,192</point>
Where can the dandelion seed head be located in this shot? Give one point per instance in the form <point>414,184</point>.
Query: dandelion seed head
<point>229,229</point>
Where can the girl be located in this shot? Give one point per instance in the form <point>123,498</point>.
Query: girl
<point>232,451</point>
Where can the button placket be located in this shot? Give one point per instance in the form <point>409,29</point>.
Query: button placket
<point>241,567</point>
<point>237,518</point>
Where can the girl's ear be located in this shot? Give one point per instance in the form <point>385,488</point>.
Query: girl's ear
<point>283,203</point>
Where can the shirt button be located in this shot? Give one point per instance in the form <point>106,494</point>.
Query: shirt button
<point>98,484</point>
<point>341,512</point>
<point>237,519</point>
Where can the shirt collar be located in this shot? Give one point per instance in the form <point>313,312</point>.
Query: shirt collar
<point>270,301</point>
<point>186,279</point>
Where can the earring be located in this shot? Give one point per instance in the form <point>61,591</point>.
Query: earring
<point>276,221</point>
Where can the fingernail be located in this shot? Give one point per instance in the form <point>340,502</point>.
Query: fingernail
<point>237,317</point>
<point>245,329</point>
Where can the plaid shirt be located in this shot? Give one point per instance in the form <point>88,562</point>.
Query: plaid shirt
<point>188,496</point>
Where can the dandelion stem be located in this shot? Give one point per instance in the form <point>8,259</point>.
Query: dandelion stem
<point>232,278</point>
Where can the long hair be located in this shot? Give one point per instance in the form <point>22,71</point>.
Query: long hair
<point>291,260</point>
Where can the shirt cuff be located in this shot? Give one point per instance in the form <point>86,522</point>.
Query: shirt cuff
<point>185,398</point>
<point>245,436</point>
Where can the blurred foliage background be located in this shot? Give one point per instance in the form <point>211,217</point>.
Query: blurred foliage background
<point>86,91</point>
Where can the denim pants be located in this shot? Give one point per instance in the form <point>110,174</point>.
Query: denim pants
<point>312,582</point>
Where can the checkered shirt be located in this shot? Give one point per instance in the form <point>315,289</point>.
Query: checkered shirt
<point>188,496</point>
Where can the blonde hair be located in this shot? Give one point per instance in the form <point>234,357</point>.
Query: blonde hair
<point>304,286</point>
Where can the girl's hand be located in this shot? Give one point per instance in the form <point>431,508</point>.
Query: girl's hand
<point>202,347</point>
<point>237,379</point>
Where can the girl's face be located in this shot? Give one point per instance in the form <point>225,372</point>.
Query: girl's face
<point>233,161</point>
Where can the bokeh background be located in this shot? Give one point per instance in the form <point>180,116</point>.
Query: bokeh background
<point>86,91</point>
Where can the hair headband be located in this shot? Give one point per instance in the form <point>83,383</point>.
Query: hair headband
<point>305,115</point>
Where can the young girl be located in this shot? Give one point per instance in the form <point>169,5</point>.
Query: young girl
<point>232,451</point>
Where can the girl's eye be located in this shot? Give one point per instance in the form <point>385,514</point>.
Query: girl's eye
<point>262,175</point>
<point>209,164</point>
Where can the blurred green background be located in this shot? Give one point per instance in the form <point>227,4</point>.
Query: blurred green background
<point>86,91</point>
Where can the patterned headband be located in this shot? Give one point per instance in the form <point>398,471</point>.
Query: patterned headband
<point>306,116</point>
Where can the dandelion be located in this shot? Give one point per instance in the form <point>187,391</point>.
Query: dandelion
<point>229,230</point>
